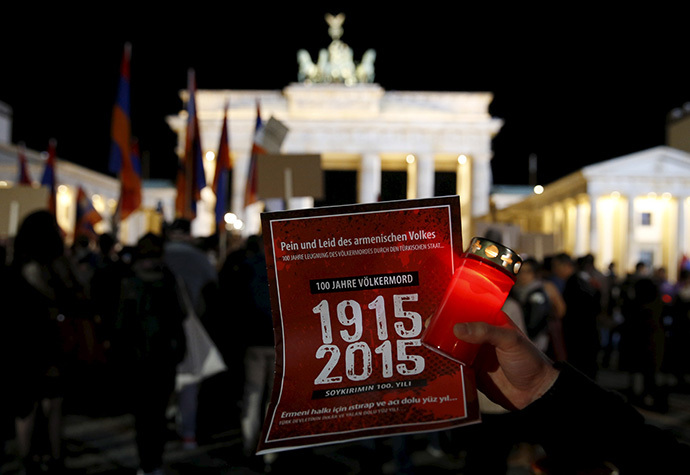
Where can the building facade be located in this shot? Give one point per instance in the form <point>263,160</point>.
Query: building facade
<point>624,210</point>
<point>362,129</point>
<point>158,197</point>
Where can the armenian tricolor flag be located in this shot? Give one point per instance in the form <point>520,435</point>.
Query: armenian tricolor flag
<point>120,132</point>
<point>124,160</point>
<point>221,182</point>
<point>49,177</point>
<point>23,177</point>
<point>250,191</point>
<point>190,173</point>
<point>87,216</point>
<point>130,182</point>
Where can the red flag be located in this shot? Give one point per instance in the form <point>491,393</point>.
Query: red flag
<point>87,216</point>
<point>49,177</point>
<point>23,177</point>
<point>252,176</point>
<point>190,172</point>
<point>222,173</point>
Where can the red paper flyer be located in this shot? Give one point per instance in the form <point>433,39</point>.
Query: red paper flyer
<point>351,287</point>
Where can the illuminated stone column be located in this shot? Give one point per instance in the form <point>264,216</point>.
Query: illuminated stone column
<point>608,211</point>
<point>463,189</point>
<point>411,177</point>
<point>630,236</point>
<point>581,229</point>
<point>594,244</point>
<point>482,179</point>
<point>569,225</point>
<point>425,175</point>
<point>683,247</point>
<point>369,178</point>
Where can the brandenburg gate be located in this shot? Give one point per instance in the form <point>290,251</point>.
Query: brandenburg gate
<point>336,110</point>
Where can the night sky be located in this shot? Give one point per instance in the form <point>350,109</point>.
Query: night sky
<point>573,87</point>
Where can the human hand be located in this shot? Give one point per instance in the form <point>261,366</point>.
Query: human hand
<point>510,370</point>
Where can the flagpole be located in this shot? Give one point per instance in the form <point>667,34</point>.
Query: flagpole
<point>287,186</point>
<point>222,231</point>
<point>189,158</point>
<point>221,183</point>
<point>222,243</point>
<point>121,160</point>
<point>49,176</point>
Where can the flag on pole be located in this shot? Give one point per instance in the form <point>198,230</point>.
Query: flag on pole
<point>49,177</point>
<point>222,173</point>
<point>130,182</point>
<point>190,172</point>
<point>23,177</point>
<point>124,159</point>
<point>257,148</point>
<point>87,216</point>
<point>120,132</point>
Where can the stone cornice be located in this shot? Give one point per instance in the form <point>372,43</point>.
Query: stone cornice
<point>329,117</point>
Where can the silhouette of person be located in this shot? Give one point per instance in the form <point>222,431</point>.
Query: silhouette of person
<point>41,292</point>
<point>256,328</point>
<point>642,335</point>
<point>152,342</point>
<point>580,324</point>
<point>194,270</point>
<point>677,355</point>
<point>106,281</point>
<point>535,303</point>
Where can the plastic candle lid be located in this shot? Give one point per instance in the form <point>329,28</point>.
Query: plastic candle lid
<point>497,253</point>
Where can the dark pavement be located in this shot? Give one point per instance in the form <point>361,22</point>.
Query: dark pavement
<point>103,443</point>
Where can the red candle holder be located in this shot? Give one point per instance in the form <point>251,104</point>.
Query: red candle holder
<point>477,292</point>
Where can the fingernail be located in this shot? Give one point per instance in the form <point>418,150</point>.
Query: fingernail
<point>462,328</point>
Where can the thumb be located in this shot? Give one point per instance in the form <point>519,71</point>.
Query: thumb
<point>503,337</point>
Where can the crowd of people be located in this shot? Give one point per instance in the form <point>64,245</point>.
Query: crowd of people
<point>638,323</point>
<point>101,328</point>
<point>585,320</point>
<point>103,325</point>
